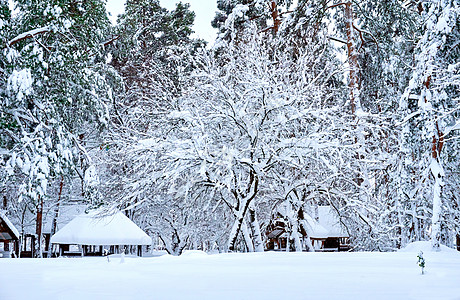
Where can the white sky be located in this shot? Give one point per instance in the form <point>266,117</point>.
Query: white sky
<point>204,13</point>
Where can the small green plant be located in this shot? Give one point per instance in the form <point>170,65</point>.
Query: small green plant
<point>421,261</point>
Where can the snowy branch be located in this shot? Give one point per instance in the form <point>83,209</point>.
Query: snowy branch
<point>28,34</point>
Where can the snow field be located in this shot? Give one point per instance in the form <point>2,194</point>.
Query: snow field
<point>269,275</point>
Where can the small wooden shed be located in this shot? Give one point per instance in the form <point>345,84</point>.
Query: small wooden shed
<point>91,233</point>
<point>9,237</point>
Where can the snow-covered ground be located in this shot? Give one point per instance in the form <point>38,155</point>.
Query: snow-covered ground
<point>270,275</point>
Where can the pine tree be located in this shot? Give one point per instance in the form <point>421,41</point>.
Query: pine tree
<point>55,85</point>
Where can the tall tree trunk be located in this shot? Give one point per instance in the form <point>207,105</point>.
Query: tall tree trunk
<point>436,217</point>
<point>247,237</point>
<point>240,211</point>
<point>234,234</point>
<point>353,83</point>
<point>55,216</point>
<point>275,16</point>
<point>401,232</point>
<point>255,227</point>
<point>362,179</point>
<point>416,224</point>
<point>438,174</point>
<point>38,228</point>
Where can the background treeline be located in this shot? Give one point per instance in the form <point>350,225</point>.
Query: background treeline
<point>352,104</point>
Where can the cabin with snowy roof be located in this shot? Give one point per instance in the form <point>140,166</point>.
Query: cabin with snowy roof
<point>9,237</point>
<point>324,230</point>
<point>96,233</point>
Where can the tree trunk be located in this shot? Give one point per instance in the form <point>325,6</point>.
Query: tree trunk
<point>38,228</point>
<point>438,174</point>
<point>354,96</point>
<point>402,231</point>
<point>55,216</point>
<point>436,217</point>
<point>176,246</point>
<point>255,227</point>
<point>275,16</point>
<point>240,211</point>
<point>417,225</point>
<point>353,83</point>
<point>247,237</point>
<point>234,234</point>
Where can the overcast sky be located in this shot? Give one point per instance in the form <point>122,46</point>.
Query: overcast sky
<point>204,13</point>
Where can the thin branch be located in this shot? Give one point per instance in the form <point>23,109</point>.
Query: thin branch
<point>266,29</point>
<point>337,39</point>
<point>28,34</point>
<point>335,5</point>
<point>286,12</point>
<point>362,39</point>
<point>106,43</point>
<point>360,36</point>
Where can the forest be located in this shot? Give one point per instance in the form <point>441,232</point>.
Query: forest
<point>298,104</point>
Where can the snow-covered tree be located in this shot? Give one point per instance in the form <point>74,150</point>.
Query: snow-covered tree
<point>151,50</point>
<point>240,123</point>
<point>55,85</point>
<point>435,80</point>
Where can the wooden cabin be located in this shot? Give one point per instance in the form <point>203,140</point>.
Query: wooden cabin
<point>28,228</point>
<point>9,237</point>
<point>324,230</point>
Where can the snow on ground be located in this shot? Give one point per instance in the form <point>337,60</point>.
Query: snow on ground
<point>269,275</point>
<point>425,247</point>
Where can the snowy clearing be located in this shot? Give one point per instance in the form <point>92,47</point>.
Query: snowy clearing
<point>270,275</point>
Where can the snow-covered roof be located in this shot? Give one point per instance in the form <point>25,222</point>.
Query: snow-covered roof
<point>325,225</point>
<point>329,220</point>
<point>315,229</point>
<point>94,229</point>
<point>9,225</point>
